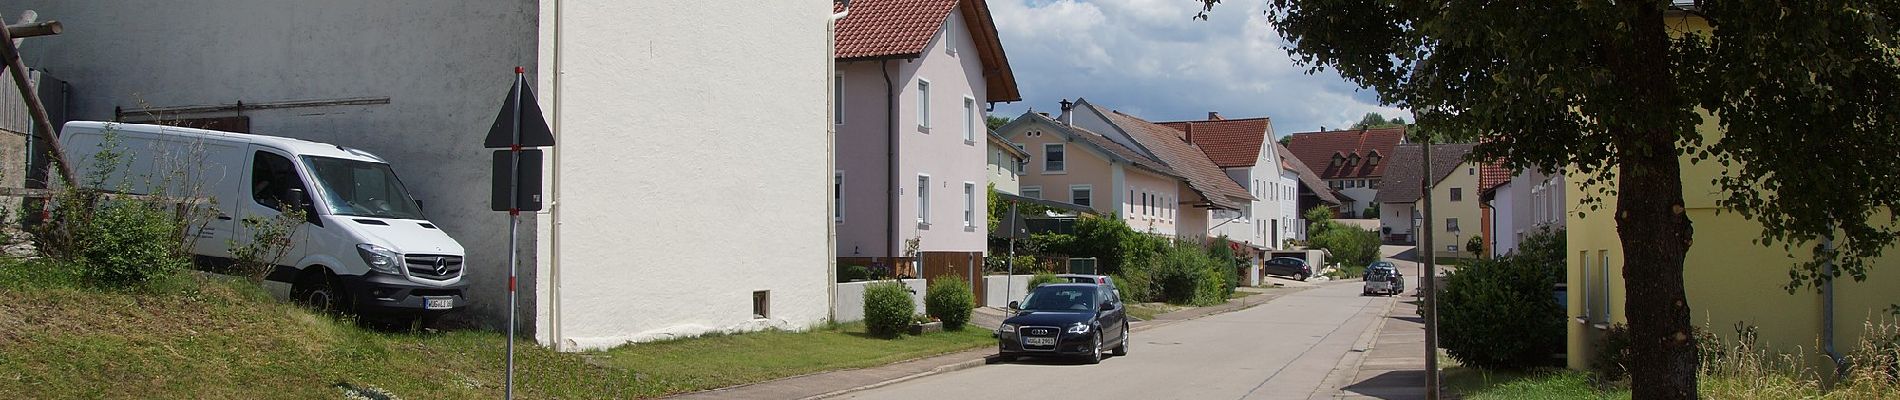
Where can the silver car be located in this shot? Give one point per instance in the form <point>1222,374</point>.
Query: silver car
<point>1383,278</point>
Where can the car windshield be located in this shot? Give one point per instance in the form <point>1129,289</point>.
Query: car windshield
<point>1060,298</point>
<point>1376,273</point>
<point>363,189</point>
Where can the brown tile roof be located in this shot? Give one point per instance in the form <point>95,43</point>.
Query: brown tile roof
<point>1401,185</point>
<point>1229,143</point>
<point>1491,175</point>
<point>1317,149</point>
<point>883,29</point>
<point>1307,177</point>
<point>1186,158</point>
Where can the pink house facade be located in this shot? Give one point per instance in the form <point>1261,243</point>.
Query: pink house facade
<point>911,147</point>
<point>1074,165</point>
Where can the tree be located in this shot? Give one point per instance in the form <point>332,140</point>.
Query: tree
<point>1375,120</point>
<point>1808,95</point>
<point>995,121</point>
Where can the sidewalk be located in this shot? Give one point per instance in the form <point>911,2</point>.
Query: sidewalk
<point>834,383</point>
<point>1392,366</point>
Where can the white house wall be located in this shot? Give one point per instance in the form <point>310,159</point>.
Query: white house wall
<point>693,168</point>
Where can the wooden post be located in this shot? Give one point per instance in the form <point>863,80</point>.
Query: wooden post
<point>41,122</point>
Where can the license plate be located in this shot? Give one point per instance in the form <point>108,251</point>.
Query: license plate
<point>1040,341</point>
<point>438,304</point>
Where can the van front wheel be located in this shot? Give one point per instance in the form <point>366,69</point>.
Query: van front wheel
<point>319,291</point>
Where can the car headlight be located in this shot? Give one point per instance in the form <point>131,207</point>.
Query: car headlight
<point>380,259</point>
<point>1006,328</point>
<point>1079,328</point>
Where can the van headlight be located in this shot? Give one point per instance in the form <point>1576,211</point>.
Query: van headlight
<point>380,259</point>
<point>1079,328</point>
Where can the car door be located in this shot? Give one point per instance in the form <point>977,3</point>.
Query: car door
<point>267,192</point>
<point>1113,317</point>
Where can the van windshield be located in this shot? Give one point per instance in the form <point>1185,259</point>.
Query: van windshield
<point>363,189</point>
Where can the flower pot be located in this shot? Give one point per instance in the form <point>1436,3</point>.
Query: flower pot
<point>933,326</point>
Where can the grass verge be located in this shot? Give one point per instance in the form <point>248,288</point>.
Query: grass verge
<point>215,338</point>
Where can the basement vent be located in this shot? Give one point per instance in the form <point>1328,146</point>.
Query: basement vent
<point>762,304</point>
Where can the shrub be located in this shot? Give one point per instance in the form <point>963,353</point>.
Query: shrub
<point>950,300</point>
<point>1349,245</point>
<point>1187,275</point>
<point>1501,313</point>
<point>887,308</point>
<point>1475,245</point>
<point>1043,279</point>
<point>128,244</point>
<point>853,273</point>
<point>1127,286</point>
<point>1612,359</point>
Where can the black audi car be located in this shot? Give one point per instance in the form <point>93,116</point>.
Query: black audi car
<point>1065,319</point>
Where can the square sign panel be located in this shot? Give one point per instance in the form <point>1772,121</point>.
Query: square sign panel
<point>527,179</point>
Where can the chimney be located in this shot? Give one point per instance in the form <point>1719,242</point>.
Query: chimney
<point>1190,133</point>
<point>1214,116</point>
<point>1068,109</point>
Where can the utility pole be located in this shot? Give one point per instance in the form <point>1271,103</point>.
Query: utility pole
<point>1431,274</point>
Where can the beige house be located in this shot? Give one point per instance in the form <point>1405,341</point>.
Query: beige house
<point>1455,212</point>
<point>1082,167</point>
<point>1006,165</point>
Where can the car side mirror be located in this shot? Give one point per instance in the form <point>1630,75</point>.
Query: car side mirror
<point>1013,305</point>
<point>1108,306</point>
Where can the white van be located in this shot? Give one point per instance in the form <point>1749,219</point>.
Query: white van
<point>366,246</point>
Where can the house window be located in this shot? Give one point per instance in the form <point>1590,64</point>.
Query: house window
<point>837,97</point>
<point>923,200</point>
<point>1457,194</point>
<point>1081,195</point>
<point>1373,183</point>
<point>1451,225</point>
<point>1589,287</point>
<point>838,196</point>
<point>1034,192</point>
<point>1335,185</point>
<point>762,304</point>
<point>949,43</point>
<point>969,120</point>
<point>969,205</point>
<point>1471,171</point>
<point>1052,157</point>
<point>1603,271</point>
<point>1146,207</point>
<point>923,105</point>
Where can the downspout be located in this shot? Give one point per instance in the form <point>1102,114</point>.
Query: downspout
<point>890,171</point>
<point>554,207</point>
<point>1827,308</point>
<point>831,162</point>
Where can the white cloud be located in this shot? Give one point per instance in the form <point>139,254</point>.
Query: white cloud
<point>1151,59</point>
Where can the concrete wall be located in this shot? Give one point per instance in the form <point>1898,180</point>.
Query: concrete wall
<point>444,67</point>
<point>940,151</point>
<point>994,285</point>
<point>690,174</point>
<point>850,304</point>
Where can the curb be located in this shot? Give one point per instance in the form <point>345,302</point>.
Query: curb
<point>1337,378</point>
<point>986,360</point>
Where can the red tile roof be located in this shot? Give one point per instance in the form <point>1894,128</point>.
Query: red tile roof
<point>1318,148</point>
<point>1229,143</point>
<point>1491,175</point>
<point>1185,158</point>
<point>884,29</point>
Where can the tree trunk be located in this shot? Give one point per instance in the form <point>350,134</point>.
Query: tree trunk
<point>1650,220</point>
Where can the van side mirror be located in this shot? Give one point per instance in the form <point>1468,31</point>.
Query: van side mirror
<point>1013,305</point>
<point>296,197</point>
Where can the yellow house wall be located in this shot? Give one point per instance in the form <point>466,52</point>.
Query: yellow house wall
<point>1465,178</point>
<point>1728,278</point>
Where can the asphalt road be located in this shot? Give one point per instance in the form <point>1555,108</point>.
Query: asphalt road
<point>1280,350</point>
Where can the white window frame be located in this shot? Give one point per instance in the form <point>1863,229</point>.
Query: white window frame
<point>923,201</point>
<point>969,120</point>
<point>949,43</point>
<point>1046,159</point>
<point>969,204</point>
<point>1089,189</point>
<point>923,105</point>
<point>837,196</point>
<point>1027,189</point>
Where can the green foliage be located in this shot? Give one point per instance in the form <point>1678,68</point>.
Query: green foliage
<point>1375,120</point>
<point>887,308</point>
<point>1188,274</point>
<point>1475,245</point>
<point>1372,211</point>
<point>1612,357</point>
<point>1043,279</point>
<point>1349,245</point>
<point>1502,313</point>
<point>853,273</point>
<point>950,299</point>
<point>994,122</point>
<point>129,244</point>
<point>270,240</point>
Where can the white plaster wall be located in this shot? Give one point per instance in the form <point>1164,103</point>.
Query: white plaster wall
<point>1002,170</point>
<point>1291,222</point>
<point>1360,198</point>
<point>993,286</point>
<point>445,67</point>
<point>1506,207</point>
<point>850,306</point>
<point>1395,218</point>
<point>693,168</point>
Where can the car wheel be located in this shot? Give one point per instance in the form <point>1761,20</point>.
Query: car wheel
<point>1300,277</point>
<point>1122,350</point>
<point>1095,357</point>
<point>317,291</point>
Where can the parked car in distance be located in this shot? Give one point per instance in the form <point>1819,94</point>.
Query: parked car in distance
<point>1103,280</point>
<point>1065,319</point>
<point>1289,266</point>
<point>1383,278</point>
<point>365,246</point>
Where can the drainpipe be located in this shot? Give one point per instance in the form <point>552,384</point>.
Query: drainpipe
<point>890,171</point>
<point>1827,308</point>
<point>831,161</point>
<point>554,207</point>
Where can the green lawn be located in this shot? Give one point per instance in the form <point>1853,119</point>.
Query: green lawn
<point>216,339</point>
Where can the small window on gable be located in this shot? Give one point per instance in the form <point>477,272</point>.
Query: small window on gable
<point>949,43</point>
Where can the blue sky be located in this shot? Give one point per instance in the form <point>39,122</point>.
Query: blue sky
<point>1149,58</point>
